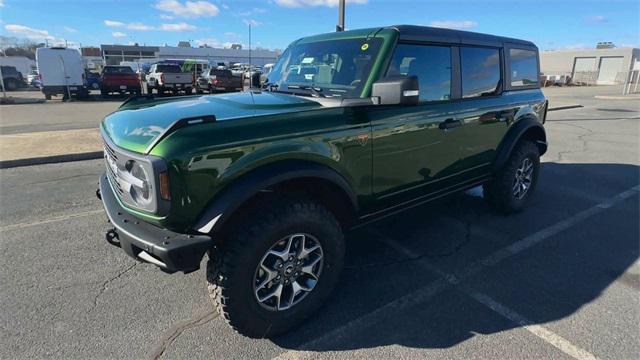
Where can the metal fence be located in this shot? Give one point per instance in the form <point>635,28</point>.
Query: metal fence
<point>630,80</point>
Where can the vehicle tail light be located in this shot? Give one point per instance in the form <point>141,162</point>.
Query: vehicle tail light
<point>214,81</point>
<point>164,186</point>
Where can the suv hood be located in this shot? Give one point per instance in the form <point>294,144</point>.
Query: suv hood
<point>136,124</point>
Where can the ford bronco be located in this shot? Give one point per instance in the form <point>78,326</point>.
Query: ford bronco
<point>349,127</point>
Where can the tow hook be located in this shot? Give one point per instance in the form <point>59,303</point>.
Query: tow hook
<point>98,194</point>
<point>112,237</point>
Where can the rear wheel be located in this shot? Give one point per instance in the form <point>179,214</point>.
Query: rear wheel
<point>10,84</point>
<point>149,90</point>
<point>274,272</point>
<point>513,186</point>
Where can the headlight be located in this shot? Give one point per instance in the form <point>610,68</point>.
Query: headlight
<point>140,189</point>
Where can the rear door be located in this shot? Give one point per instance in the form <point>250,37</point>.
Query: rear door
<point>483,110</point>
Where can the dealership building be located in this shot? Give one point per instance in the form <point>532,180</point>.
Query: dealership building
<point>115,54</point>
<point>605,65</point>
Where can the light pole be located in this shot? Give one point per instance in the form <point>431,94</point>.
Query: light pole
<point>340,26</point>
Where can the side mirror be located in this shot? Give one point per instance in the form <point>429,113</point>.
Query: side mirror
<point>396,90</point>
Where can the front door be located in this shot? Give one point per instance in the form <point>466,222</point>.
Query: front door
<point>414,146</point>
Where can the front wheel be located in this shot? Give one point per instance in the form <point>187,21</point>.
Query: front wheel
<point>513,186</point>
<point>277,270</point>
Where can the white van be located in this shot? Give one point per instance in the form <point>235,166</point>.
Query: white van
<point>61,72</point>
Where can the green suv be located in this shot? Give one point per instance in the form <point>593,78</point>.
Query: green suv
<point>349,127</point>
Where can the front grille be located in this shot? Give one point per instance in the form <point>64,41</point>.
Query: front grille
<point>110,155</point>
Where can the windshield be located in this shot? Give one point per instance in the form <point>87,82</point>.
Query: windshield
<point>118,70</point>
<point>168,69</point>
<point>333,68</point>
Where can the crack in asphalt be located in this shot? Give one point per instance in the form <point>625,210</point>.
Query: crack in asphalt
<point>104,285</point>
<point>178,329</point>
<point>423,256</point>
<point>585,146</point>
<point>52,180</point>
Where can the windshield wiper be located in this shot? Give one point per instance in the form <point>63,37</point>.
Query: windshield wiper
<point>314,90</point>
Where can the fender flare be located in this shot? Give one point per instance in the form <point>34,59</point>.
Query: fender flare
<point>514,134</point>
<point>248,185</point>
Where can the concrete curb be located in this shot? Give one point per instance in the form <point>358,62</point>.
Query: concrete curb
<point>567,107</point>
<point>618,97</point>
<point>7,164</point>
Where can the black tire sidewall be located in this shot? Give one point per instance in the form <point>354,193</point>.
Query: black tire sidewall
<point>526,150</point>
<point>240,286</point>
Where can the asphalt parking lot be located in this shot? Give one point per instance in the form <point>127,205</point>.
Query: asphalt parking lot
<point>448,280</point>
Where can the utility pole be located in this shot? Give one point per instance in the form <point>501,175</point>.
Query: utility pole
<point>340,26</point>
<point>249,56</point>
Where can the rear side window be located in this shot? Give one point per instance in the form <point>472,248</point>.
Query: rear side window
<point>480,71</point>
<point>168,69</point>
<point>432,66</point>
<point>523,65</point>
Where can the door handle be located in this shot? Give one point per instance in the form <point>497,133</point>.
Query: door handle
<point>449,124</point>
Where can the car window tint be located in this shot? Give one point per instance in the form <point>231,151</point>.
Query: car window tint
<point>480,71</point>
<point>118,70</point>
<point>432,66</point>
<point>524,67</point>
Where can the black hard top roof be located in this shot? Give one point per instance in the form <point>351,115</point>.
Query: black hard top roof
<point>439,35</point>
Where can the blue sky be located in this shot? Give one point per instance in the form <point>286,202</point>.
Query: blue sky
<point>552,24</point>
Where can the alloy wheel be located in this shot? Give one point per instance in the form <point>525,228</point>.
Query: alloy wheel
<point>523,179</point>
<point>288,272</point>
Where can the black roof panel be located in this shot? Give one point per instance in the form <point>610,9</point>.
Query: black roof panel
<point>433,34</point>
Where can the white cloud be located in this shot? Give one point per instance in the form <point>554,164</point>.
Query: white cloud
<point>139,27</point>
<point>118,34</point>
<point>191,9</point>
<point>177,27</point>
<point>166,17</point>
<point>1,3</point>
<point>145,27</point>
<point>302,3</point>
<point>112,23</point>
<point>454,24</point>
<point>231,34</point>
<point>597,19</point>
<point>29,33</point>
<point>579,46</point>
<point>251,22</point>
<point>208,41</point>
<point>69,29</point>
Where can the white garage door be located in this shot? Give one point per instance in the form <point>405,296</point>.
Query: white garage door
<point>609,68</point>
<point>584,64</point>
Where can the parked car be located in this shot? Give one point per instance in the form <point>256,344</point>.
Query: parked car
<point>11,78</point>
<point>267,182</point>
<point>32,77</point>
<point>168,77</point>
<point>266,70</point>
<point>92,80</point>
<point>214,80</point>
<point>61,72</point>
<point>119,79</point>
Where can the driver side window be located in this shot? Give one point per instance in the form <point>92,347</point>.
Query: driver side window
<point>432,66</point>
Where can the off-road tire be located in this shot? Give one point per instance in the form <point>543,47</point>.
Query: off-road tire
<point>231,268</point>
<point>499,191</point>
<point>149,90</point>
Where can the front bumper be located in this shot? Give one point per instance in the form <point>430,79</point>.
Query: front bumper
<point>168,250</point>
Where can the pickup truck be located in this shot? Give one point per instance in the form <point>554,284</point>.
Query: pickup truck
<point>214,80</point>
<point>119,79</point>
<point>168,77</point>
